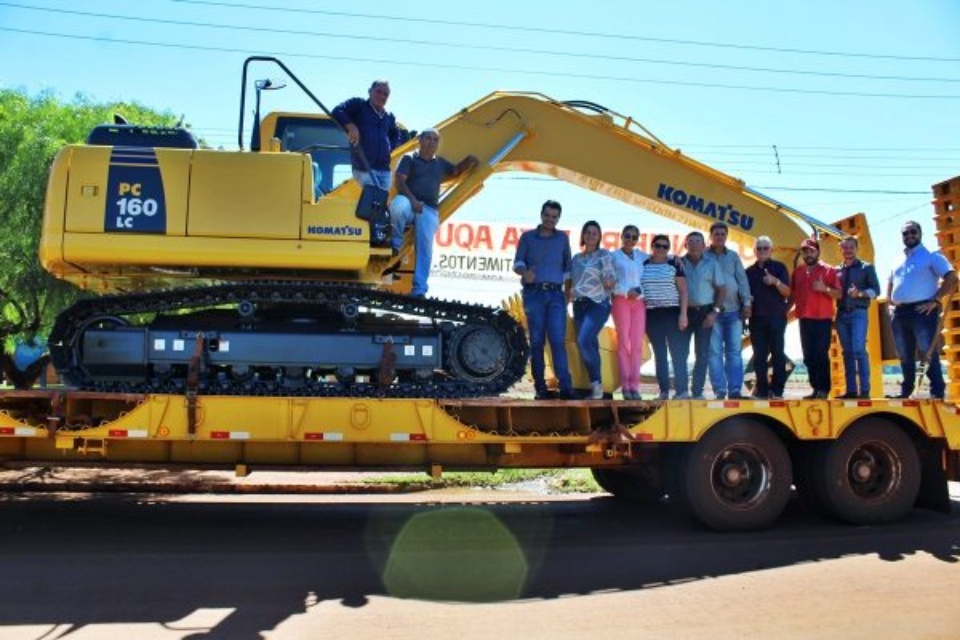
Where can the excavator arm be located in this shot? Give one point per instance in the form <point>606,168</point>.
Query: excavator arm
<point>611,154</point>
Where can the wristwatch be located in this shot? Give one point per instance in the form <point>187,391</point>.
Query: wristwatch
<point>718,309</point>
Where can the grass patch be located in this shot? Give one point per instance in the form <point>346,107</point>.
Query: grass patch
<point>556,480</point>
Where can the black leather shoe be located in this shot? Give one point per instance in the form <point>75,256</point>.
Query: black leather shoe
<point>849,396</point>
<point>568,395</point>
<point>898,396</point>
<point>547,395</point>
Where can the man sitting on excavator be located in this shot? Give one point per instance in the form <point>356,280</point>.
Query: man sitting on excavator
<point>418,179</point>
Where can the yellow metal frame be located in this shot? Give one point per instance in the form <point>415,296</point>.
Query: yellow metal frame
<point>379,432</point>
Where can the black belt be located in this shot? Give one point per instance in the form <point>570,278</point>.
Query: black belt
<point>911,305</point>
<point>700,307</point>
<point>543,286</point>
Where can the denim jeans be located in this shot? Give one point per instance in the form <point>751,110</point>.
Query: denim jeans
<point>665,336</point>
<point>852,332</point>
<point>726,359</point>
<point>589,318</point>
<point>376,178</point>
<point>914,332</point>
<point>546,313</point>
<point>701,342</point>
<point>767,337</point>
<point>815,344</point>
<point>425,228</point>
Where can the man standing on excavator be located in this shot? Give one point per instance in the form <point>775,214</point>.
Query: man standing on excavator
<point>372,132</point>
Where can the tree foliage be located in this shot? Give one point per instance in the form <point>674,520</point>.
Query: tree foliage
<point>32,131</point>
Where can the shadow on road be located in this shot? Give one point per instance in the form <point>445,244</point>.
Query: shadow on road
<point>133,558</point>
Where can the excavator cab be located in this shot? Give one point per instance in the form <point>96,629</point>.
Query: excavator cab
<point>318,136</point>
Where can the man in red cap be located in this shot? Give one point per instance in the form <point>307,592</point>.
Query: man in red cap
<point>811,284</point>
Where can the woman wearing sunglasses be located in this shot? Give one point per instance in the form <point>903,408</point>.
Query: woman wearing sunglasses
<point>629,311</point>
<point>592,278</point>
<point>665,296</point>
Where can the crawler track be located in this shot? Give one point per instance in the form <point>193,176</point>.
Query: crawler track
<point>483,350</point>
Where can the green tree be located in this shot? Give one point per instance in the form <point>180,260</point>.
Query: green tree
<point>32,131</point>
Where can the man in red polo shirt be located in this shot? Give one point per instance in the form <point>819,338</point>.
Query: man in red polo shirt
<point>811,283</point>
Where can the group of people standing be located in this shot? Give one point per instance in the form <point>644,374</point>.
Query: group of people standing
<point>704,296</point>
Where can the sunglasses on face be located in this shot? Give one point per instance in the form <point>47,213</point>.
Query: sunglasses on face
<point>630,236</point>
<point>660,245</point>
<point>910,232</point>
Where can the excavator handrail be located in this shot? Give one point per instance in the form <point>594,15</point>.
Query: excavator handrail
<point>290,74</point>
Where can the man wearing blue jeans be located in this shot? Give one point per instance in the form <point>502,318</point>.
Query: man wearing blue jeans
<point>726,359</point>
<point>914,291</point>
<point>543,263</point>
<point>705,293</point>
<point>419,177</point>
<point>858,286</point>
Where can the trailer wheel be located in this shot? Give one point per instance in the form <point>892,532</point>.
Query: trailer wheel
<point>737,477</point>
<point>634,485</point>
<point>870,475</point>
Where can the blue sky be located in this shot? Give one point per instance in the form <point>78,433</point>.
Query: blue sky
<point>859,98</point>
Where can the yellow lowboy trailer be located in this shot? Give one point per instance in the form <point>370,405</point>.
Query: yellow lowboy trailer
<point>731,463</point>
<point>255,317</point>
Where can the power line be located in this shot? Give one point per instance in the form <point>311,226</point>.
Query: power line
<point>832,190</point>
<point>900,214</point>
<point>846,174</point>
<point>566,32</point>
<point>813,147</point>
<point>786,163</point>
<point>481,47</point>
<point>586,76</point>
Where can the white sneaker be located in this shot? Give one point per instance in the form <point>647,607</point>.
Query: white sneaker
<point>596,391</point>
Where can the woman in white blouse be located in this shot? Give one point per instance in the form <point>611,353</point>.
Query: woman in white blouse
<point>629,310</point>
<point>592,278</point>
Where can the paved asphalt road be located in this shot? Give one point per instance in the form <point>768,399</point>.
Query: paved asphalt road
<point>458,565</point>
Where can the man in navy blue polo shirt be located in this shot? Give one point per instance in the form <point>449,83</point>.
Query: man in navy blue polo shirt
<point>373,129</point>
<point>543,264</point>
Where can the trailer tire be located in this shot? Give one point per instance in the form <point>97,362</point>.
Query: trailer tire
<point>870,475</point>
<point>737,477</point>
<point>632,485</point>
